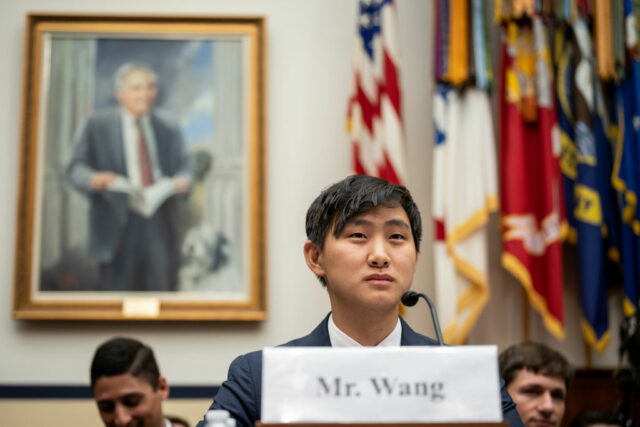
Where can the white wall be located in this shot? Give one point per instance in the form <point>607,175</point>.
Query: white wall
<point>308,80</point>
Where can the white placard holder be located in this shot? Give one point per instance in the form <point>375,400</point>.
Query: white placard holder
<point>380,385</point>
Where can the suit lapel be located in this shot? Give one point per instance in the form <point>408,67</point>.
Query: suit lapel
<point>411,337</point>
<point>117,143</point>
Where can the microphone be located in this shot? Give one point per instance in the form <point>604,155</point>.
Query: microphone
<point>410,298</point>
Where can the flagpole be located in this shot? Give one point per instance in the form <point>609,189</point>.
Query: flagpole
<point>587,355</point>
<point>525,317</point>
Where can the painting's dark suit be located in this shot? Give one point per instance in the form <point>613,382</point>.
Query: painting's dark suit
<point>115,232</point>
<point>241,393</point>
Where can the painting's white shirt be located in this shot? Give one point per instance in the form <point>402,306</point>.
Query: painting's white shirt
<point>130,138</point>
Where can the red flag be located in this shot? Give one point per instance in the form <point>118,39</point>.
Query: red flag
<point>533,221</point>
<point>374,117</point>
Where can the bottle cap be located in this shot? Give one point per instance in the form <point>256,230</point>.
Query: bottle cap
<point>217,415</point>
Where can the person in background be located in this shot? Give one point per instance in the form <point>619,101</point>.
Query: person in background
<point>127,385</point>
<point>363,242</point>
<point>537,379</point>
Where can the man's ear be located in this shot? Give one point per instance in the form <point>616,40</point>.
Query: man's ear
<point>163,387</point>
<point>313,257</point>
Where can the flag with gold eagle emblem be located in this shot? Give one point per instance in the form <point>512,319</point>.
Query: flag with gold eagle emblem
<point>532,201</point>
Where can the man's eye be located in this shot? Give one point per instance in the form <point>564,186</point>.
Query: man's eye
<point>530,391</point>
<point>131,401</point>
<point>357,235</point>
<point>106,407</point>
<point>398,236</point>
<point>558,395</point>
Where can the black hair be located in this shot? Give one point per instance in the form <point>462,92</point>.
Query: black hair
<point>534,357</point>
<point>125,356</point>
<point>353,196</point>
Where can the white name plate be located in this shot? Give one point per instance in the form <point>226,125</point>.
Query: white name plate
<point>370,384</point>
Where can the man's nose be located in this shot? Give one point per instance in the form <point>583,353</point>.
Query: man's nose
<point>378,256</point>
<point>122,415</point>
<point>545,404</point>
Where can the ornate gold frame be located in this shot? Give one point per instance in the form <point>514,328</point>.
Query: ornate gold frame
<point>135,306</point>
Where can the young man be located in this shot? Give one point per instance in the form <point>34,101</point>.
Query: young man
<point>364,237</point>
<point>127,385</point>
<point>537,379</point>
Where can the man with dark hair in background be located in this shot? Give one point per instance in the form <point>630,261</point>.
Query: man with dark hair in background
<point>537,379</point>
<point>127,385</point>
<point>363,241</point>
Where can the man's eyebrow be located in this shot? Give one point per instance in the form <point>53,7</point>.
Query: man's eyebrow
<point>397,223</point>
<point>133,394</point>
<point>360,221</point>
<point>391,222</point>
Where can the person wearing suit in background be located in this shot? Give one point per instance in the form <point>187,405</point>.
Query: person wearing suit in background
<point>537,378</point>
<point>127,385</point>
<point>363,242</point>
<point>134,252</point>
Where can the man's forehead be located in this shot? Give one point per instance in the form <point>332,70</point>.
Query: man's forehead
<point>121,384</point>
<point>528,377</point>
<point>139,73</point>
<point>389,213</point>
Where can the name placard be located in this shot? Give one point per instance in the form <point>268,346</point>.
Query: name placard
<point>370,384</point>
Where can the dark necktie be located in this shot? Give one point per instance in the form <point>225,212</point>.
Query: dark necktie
<point>146,175</point>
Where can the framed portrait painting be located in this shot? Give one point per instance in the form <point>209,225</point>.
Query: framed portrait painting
<point>141,187</point>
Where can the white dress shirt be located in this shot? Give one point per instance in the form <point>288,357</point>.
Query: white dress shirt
<point>130,138</point>
<point>340,339</point>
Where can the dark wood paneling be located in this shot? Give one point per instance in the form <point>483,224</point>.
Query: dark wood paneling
<point>594,390</point>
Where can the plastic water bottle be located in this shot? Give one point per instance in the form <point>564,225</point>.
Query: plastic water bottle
<point>219,418</point>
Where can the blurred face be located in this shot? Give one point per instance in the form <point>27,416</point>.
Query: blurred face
<point>124,400</point>
<point>138,92</point>
<point>370,264</point>
<point>540,399</point>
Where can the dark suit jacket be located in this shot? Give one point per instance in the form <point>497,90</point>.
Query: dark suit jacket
<point>241,393</point>
<point>99,147</point>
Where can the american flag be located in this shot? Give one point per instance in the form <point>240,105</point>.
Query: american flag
<point>374,117</point>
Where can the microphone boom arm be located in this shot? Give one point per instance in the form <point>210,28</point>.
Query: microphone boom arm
<point>410,298</point>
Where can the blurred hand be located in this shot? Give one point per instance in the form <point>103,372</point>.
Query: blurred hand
<point>181,184</point>
<point>100,180</point>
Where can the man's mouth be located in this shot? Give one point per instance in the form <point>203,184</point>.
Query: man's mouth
<point>543,423</point>
<point>379,279</point>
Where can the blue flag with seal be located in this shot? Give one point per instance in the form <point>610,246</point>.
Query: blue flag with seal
<point>625,173</point>
<point>564,97</point>
<point>588,191</point>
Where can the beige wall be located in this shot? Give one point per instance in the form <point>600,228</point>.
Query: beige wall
<point>309,77</point>
<point>81,412</point>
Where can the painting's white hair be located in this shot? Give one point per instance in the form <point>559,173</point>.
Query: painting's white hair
<point>128,67</point>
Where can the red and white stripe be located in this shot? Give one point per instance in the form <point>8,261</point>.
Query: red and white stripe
<point>374,113</point>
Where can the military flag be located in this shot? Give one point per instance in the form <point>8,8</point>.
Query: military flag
<point>625,174</point>
<point>464,194</point>
<point>587,201</point>
<point>532,200</point>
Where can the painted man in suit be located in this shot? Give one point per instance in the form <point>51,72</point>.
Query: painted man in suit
<point>363,242</point>
<point>134,143</point>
